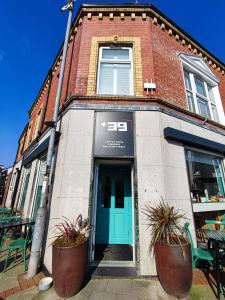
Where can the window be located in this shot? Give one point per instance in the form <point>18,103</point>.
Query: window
<point>205,176</point>
<point>25,182</point>
<point>201,86</point>
<point>200,96</point>
<point>115,71</point>
<point>37,198</point>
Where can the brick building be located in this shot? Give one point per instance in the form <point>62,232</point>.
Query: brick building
<point>141,117</point>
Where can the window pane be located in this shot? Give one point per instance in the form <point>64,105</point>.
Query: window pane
<point>205,176</point>
<point>123,79</point>
<point>200,87</point>
<point>211,96</point>
<point>106,79</point>
<point>106,192</point>
<point>115,54</point>
<point>119,192</point>
<point>24,188</point>
<point>187,80</point>
<point>191,105</point>
<point>215,113</point>
<point>114,79</point>
<point>203,108</point>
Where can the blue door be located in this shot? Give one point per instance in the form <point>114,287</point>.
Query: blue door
<point>114,206</point>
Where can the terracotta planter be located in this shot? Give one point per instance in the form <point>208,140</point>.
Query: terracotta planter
<point>174,269</point>
<point>69,266</point>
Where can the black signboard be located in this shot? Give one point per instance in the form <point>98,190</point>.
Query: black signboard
<point>114,134</point>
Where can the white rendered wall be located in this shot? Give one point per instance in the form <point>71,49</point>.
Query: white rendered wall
<point>162,172</point>
<point>70,195</point>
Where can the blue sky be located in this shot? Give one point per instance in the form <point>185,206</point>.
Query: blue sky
<point>32,31</point>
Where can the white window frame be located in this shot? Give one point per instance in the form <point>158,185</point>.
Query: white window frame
<point>118,61</point>
<point>196,67</point>
<point>196,95</point>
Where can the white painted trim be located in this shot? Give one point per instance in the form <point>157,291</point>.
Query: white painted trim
<point>110,61</point>
<point>208,206</point>
<point>207,81</point>
<point>204,71</point>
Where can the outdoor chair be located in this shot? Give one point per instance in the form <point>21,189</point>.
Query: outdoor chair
<point>20,244</point>
<point>12,235</point>
<point>198,253</point>
<point>219,248</point>
<point>4,211</point>
<point>11,218</point>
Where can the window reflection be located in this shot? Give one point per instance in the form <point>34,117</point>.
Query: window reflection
<point>119,192</point>
<point>106,192</point>
<point>205,177</point>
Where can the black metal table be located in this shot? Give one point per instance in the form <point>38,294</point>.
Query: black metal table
<point>13,224</point>
<point>215,234</point>
<point>218,250</point>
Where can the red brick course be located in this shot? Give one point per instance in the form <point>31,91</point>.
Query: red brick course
<point>23,284</point>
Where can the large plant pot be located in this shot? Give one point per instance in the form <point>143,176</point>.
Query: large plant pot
<point>174,269</point>
<point>69,266</point>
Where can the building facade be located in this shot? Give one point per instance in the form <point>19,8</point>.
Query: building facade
<point>141,118</point>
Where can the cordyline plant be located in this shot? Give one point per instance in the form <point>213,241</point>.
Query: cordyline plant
<point>164,222</point>
<point>72,233</point>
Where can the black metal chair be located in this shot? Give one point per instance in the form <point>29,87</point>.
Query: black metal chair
<point>219,252</point>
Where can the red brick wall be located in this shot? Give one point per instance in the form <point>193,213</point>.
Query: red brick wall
<point>159,52</point>
<point>107,27</point>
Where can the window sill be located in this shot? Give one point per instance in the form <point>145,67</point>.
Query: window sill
<point>208,206</point>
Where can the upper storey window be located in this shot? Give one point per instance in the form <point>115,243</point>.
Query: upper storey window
<point>115,75</point>
<point>200,96</point>
<point>202,90</point>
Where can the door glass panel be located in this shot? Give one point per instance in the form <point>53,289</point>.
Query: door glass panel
<point>119,192</point>
<point>106,192</point>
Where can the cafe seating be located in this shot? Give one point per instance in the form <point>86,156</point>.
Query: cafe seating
<point>20,244</point>
<point>10,235</point>
<point>218,247</point>
<point>198,253</point>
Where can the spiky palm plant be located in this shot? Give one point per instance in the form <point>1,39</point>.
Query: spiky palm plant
<point>164,223</point>
<point>72,233</point>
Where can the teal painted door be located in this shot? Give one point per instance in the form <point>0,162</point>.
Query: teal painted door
<point>114,206</point>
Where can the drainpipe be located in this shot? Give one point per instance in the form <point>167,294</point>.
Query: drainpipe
<point>41,218</point>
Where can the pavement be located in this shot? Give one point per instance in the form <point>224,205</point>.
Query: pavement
<point>13,286</point>
<point>117,289</point>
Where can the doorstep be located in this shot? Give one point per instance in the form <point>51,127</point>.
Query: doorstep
<point>112,271</point>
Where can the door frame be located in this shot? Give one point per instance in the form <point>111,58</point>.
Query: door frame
<point>94,209</point>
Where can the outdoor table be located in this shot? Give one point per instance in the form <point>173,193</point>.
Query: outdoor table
<point>219,252</point>
<point>13,223</point>
<point>215,234</point>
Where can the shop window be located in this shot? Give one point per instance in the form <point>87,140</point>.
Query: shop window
<point>201,87</point>
<point>206,178</point>
<point>115,76</point>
